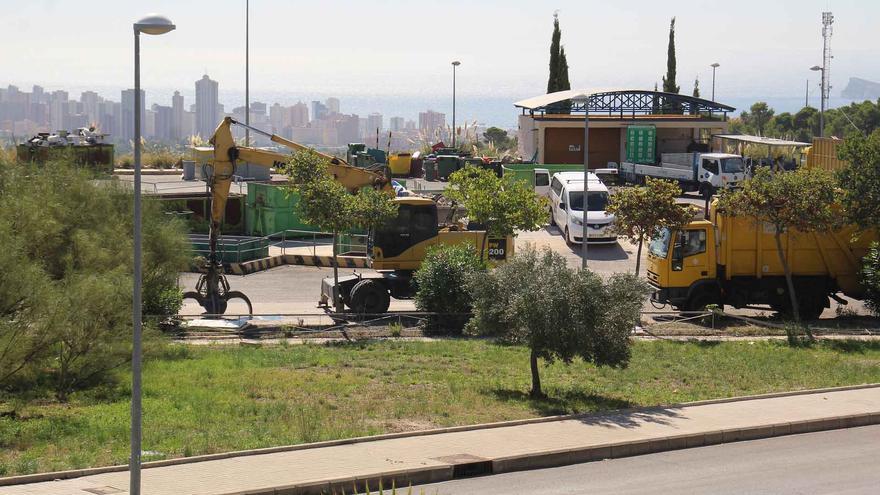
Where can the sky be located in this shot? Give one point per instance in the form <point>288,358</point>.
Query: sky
<point>392,47</point>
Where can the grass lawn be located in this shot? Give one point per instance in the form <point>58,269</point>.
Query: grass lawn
<point>206,400</point>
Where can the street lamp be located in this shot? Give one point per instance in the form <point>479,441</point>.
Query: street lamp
<point>584,100</point>
<point>152,24</point>
<point>455,63</point>
<point>821,100</point>
<point>714,66</point>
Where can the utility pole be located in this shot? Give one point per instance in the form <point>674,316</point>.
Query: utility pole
<point>455,64</point>
<point>247,73</point>
<point>807,94</point>
<point>714,66</point>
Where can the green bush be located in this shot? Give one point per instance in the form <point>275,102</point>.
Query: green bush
<point>441,281</point>
<point>536,300</point>
<point>871,278</point>
<point>66,276</point>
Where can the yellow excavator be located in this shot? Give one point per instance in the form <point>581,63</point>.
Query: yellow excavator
<point>394,251</point>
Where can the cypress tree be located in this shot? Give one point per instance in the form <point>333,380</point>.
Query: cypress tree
<point>697,87</point>
<point>669,79</point>
<point>564,84</point>
<point>553,81</point>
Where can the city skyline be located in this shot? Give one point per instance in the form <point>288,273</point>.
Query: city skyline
<point>24,112</point>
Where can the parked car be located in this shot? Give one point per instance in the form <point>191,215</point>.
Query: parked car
<point>567,208</point>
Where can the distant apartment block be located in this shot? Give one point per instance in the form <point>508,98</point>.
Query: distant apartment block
<point>431,121</point>
<point>207,106</point>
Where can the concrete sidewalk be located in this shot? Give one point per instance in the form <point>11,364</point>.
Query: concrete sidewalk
<point>423,457</point>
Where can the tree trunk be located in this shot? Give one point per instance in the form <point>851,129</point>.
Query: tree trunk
<point>639,254</point>
<point>536,378</point>
<point>485,242</point>
<point>337,301</point>
<point>790,283</point>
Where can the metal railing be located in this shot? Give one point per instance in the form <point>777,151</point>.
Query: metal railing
<point>290,239</point>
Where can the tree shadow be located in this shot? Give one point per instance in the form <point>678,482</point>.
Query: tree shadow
<point>611,411</point>
<point>851,346</point>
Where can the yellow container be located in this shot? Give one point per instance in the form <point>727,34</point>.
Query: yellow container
<point>823,154</point>
<point>400,163</point>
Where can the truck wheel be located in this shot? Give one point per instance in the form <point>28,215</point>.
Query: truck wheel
<point>699,302</point>
<point>706,190</point>
<point>369,296</point>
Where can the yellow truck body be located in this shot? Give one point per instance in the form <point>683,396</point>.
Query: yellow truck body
<point>734,261</point>
<point>823,154</point>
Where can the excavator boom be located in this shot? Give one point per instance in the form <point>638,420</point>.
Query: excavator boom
<point>212,292</point>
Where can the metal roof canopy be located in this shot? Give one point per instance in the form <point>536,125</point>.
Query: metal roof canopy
<point>746,138</point>
<point>629,101</point>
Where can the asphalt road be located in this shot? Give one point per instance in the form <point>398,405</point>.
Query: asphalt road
<point>839,461</point>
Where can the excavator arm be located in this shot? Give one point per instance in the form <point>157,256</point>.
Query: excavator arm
<point>212,292</point>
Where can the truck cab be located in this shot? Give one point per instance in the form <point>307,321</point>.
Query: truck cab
<point>682,267</point>
<point>718,170</point>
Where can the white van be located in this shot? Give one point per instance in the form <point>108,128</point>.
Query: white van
<point>567,208</point>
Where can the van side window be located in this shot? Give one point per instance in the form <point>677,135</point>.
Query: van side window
<point>556,186</point>
<point>541,180</point>
<point>710,166</point>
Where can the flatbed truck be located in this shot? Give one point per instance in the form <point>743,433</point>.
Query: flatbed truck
<point>703,172</point>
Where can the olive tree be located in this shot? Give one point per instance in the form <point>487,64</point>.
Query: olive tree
<point>503,205</point>
<point>641,211</point>
<point>802,200</point>
<point>536,300</point>
<point>326,204</point>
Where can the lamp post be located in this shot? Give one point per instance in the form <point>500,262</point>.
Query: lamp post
<point>455,63</point>
<point>247,73</point>
<point>714,66</point>
<point>821,100</point>
<point>152,24</point>
<point>585,101</point>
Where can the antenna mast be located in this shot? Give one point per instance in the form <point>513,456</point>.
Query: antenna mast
<point>827,30</point>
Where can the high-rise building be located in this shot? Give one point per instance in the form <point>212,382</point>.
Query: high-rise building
<point>332,105</point>
<point>58,109</point>
<point>127,123</point>
<point>299,115</point>
<point>177,117</point>
<point>90,100</point>
<point>164,123</point>
<point>279,117</point>
<point>319,110</point>
<point>374,122</point>
<point>397,124</point>
<point>430,121</point>
<point>207,106</point>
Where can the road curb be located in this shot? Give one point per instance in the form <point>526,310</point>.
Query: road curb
<point>430,474</point>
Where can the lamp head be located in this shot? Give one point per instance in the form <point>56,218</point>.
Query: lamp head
<point>456,63</point>
<point>815,67</point>
<point>715,65</point>
<point>154,24</point>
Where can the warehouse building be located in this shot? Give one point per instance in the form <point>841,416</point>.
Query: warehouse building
<point>680,123</point>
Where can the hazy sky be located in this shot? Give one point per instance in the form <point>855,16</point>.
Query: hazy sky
<point>405,47</point>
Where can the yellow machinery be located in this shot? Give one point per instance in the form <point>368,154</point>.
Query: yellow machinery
<point>734,261</point>
<point>823,154</point>
<point>396,250</point>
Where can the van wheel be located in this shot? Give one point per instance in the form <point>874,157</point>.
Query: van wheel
<point>370,296</point>
<point>567,238</point>
<point>552,218</point>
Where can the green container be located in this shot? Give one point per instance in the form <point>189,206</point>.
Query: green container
<point>270,210</point>
<point>232,249</point>
<point>446,165</point>
<point>430,170</point>
<point>526,171</point>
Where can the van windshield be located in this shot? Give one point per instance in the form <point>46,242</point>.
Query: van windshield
<point>732,165</point>
<point>597,201</point>
<point>659,246</point>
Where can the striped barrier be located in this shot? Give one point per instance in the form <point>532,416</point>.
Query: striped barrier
<point>254,266</point>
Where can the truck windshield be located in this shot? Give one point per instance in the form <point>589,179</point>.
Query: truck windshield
<point>597,201</point>
<point>732,165</point>
<point>659,247</point>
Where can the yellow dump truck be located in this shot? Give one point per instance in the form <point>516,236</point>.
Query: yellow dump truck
<point>733,261</point>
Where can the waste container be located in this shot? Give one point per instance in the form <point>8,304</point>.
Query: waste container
<point>400,164</point>
<point>446,165</point>
<point>189,170</point>
<point>430,169</point>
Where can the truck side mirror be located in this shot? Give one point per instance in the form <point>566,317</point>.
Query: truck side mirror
<point>562,206</point>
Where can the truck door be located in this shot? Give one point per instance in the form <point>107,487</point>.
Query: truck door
<point>710,172</point>
<point>542,182</point>
<point>690,258</point>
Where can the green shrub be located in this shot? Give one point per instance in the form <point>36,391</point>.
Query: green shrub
<point>441,286</point>
<point>871,278</point>
<point>66,276</point>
